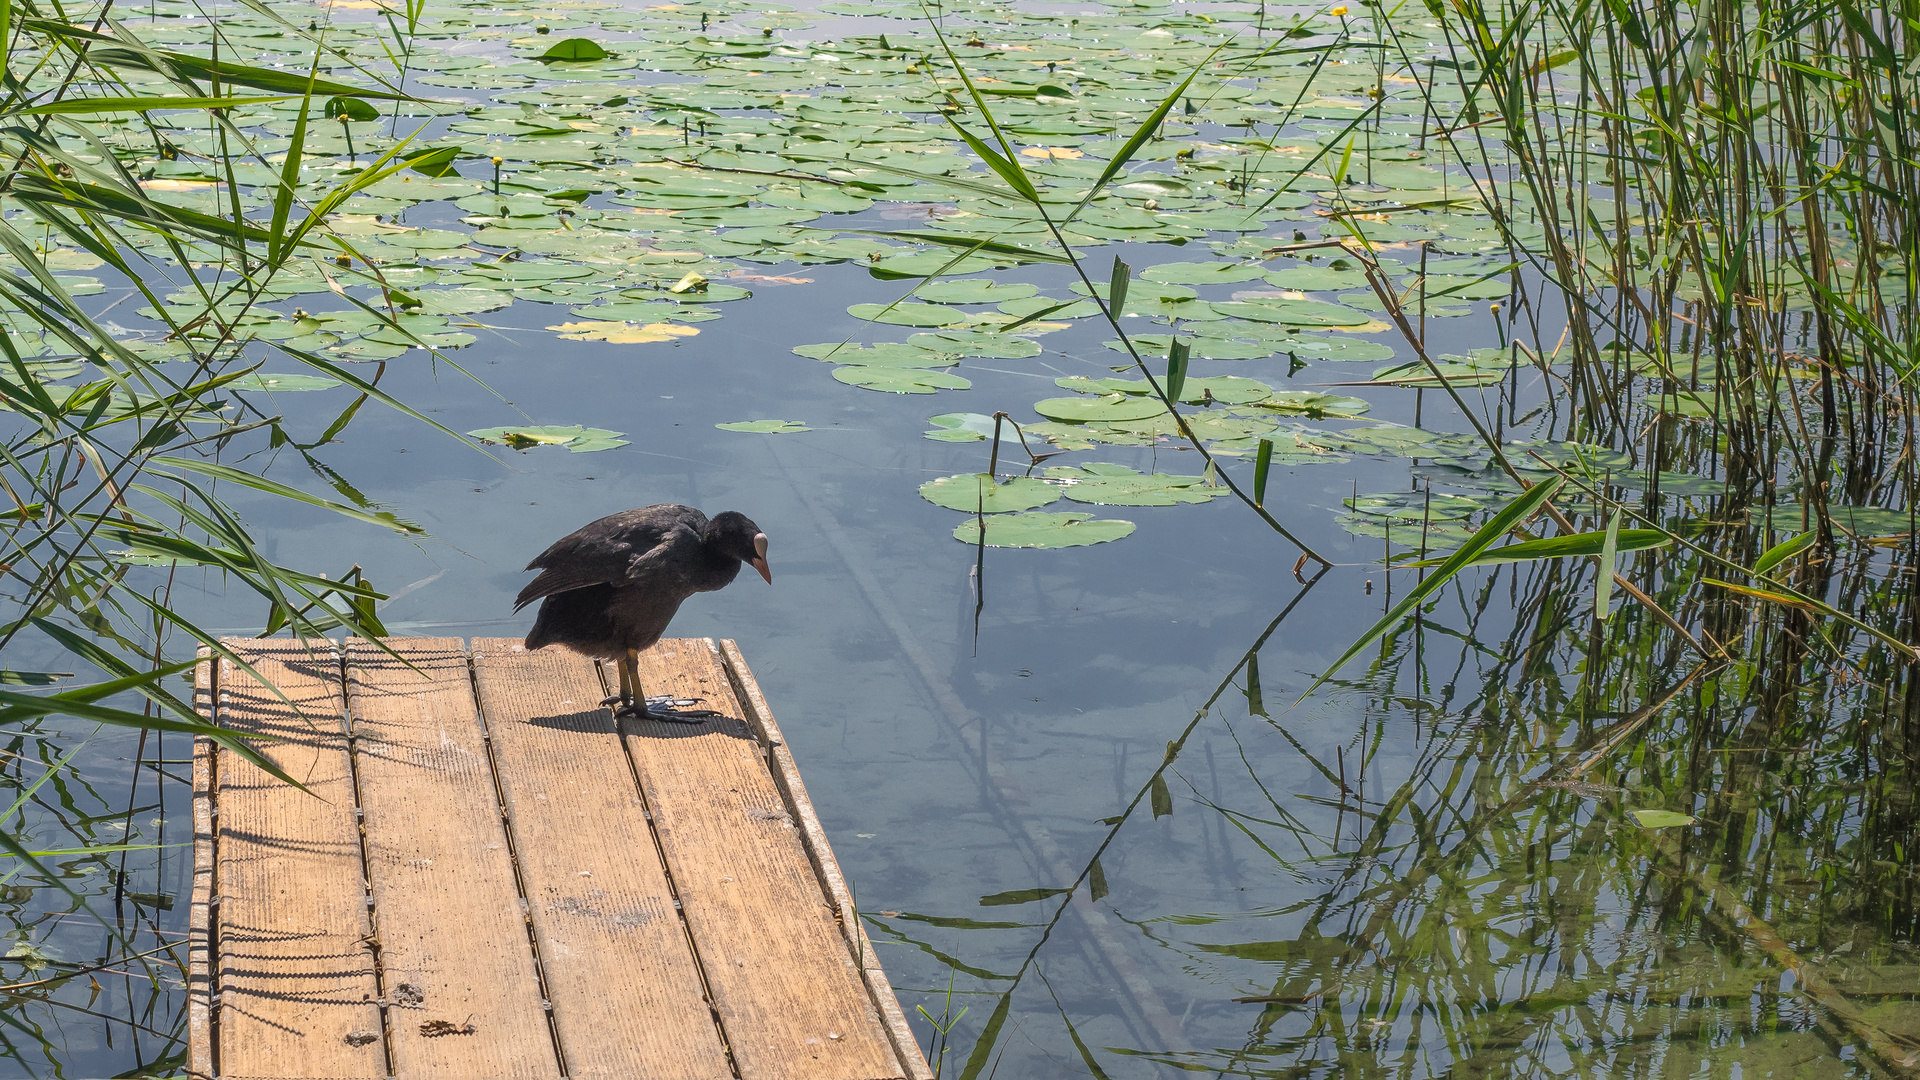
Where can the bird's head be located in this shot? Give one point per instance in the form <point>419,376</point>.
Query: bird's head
<point>735,534</point>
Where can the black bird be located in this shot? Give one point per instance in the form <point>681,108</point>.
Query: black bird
<point>611,589</point>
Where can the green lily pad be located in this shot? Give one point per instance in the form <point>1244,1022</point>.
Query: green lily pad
<point>766,427</point>
<point>578,439</point>
<point>882,354</point>
<point>460,301</point>
<point>1103,410</point>
<point>978,492</point>
<point>974,291</point>
<point>1206,348</point>
<point>899,380</point>
<point>1046,307</point>
<point>1293,312</point>
<point>1313,404</point>
<point>1202,273</point>
<point>978,343</point>
<point>960,427</point>
<point>1317,278</point>
<point>1033,530</point>
<point>262,381</point>
<point>1116,485</point>
<point>907,313</point>
<point>1220,389</point>
<point>741,217</point>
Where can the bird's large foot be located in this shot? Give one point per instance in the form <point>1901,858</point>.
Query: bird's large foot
<point>675,710</point>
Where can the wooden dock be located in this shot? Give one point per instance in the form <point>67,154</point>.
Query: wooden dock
<point>487,877</point>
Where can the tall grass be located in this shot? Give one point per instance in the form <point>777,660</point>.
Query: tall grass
<point>112,478</point>
<point>1712,210</point>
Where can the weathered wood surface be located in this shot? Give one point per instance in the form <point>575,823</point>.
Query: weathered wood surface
<point>496,880</point>
<point>627,999</point>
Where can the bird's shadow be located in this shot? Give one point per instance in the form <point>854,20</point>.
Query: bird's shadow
<point>601,722</point>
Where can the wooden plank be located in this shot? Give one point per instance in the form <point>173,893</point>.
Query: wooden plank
<point>200,1064</point>
<point>784,982</point>
<point>627,994</point>
<point>296,970</point>
<point>786,775</point>
<point>446,906</point>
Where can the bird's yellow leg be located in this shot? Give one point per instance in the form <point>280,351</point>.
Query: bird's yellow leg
<point>630,682</point>
<point>625,697</point>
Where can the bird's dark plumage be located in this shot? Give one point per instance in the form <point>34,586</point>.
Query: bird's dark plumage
<point>610,589</point>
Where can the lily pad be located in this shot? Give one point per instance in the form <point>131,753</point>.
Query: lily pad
<point>899,380</point>
<point>623,333</point>
<point>580,440</point>
<point>1293,312</point>
<point>766,427</point>
<point>1034,530</point>
<point>882,354</point>
<point>1313,404</point>
<point>978,343</point>
<point>270,383</point>
<point>960,427</point>
<point>978,492</point>
<point>1202,273</point>
<point>1220,389</point>
<point>1317,278</point>
<point>907,313</point>
<point>1206,348</point>
<point>974,291</point>
<point>1099,410</point>
<point>1116,485</point>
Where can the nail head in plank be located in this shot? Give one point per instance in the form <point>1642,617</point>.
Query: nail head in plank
<point>447,907</point>
<point>627,995</point>
<point>784,981</point>
<point>295,967</point>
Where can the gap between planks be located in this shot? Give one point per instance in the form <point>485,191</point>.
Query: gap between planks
<point>464,688</point>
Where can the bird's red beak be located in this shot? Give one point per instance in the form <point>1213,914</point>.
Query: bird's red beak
<point>759,561</point>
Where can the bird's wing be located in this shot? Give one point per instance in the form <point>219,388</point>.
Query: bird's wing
<point>613,550</point>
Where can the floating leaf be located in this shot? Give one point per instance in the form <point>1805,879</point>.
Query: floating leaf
<point>974,291</point>
<point>884,354</point>
<point>578,439</point>
<point>766,427</point>
<point>1035,530</point>
<point>977,343</point>
<point>1107,410</point>
<point>1662,819</point>
<point>623,333</point>
<point>907,313</point>
<point>1202,273</point>
<point>271,383</point>
<point>978,492</point>
<point>960,427</point>
<point>1116,485</point>
<point>899,380</point>
<point>1293,312</point>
